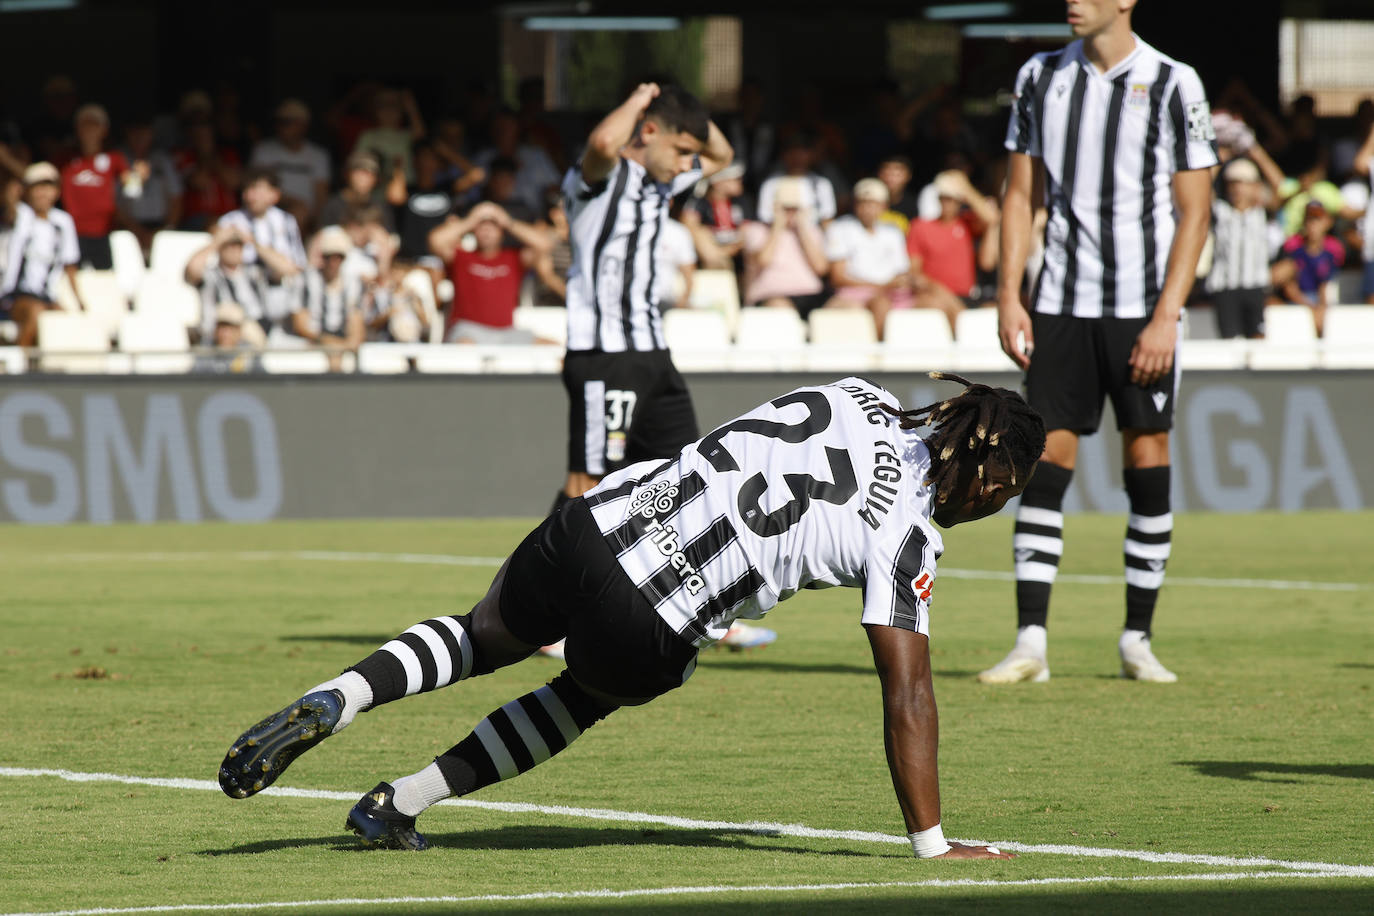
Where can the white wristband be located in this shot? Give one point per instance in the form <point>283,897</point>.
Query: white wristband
<point>929,843</point>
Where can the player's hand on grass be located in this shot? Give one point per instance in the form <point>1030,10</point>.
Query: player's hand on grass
<point>965,851</point>
<point>1153,353</point>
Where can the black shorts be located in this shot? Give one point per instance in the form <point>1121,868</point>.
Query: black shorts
<point>623,408</point>
<point>1240,312</point>
<point>1077,362</point>
<point>564,581</point>
<point>95,251</point>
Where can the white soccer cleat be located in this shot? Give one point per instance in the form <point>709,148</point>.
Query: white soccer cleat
<point>1025,662</point>
<point>744,636</point>
<point>1138,663</point>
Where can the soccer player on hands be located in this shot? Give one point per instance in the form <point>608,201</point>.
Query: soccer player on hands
<point>823,486</point>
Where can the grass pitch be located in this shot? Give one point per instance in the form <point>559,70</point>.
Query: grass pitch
<point>143,651</point>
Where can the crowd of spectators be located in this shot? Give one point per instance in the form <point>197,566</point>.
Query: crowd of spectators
<point>318,222</point>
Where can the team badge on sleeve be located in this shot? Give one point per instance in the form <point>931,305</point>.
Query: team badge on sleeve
<point>1200,122</point>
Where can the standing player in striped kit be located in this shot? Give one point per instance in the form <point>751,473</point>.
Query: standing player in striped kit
<point>627,402</point>
<point>821,487</point>
<point>1114,138</point>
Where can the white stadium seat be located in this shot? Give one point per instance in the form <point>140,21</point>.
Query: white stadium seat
<point>717,290</point>
<point>295,362</point>
<point>545,322</point>
<point>72,342</point>
<point>842,340</point>
<point>386,358</point>
<point>1214,354</point>
<point>172,250</point>
<point>129,267</point>
<point>699,340</point>
<point>1348,337</point>
<point>769,339</point>
<point>1290,339</point>
<point>977,347</point>
<point>171,297</point>
<point>102,295</point>
<point>916,339</point>
<point>156,344</point>
<point>13,360</point>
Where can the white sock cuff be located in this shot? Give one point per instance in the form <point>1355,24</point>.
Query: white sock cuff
<point>357,694</point>
<point>1033,638</point>
<point>418,791</point>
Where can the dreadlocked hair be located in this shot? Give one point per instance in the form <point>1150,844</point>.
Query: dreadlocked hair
<point>984,423</point>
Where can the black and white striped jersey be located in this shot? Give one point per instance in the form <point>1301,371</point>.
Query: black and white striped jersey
<point>276,229</point>
<point>1240,252</point>
<point>246,286</point>
<point>37,251</point>
<point>816,488</point>
<point>1110,143</point>
<point>615,227</point>
<point>329,306</point>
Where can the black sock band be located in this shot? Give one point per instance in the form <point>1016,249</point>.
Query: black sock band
<point>521,735</point>
<point>429,655</point>
<point>1038,542</point>
<point>1149,534</point>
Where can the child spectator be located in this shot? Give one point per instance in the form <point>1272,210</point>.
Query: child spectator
<point>895,172</point>
<point>302,166</point>
<point>88,186</point>
<point>219,272</point>
<point>784,258</point>
<point>361,189</point>
<point>869,264</point>
<point>486,280</point>
<point>274,240</point>
<point>42,244</point>
<point>330,313</point>
<point>1238,281</point>
<point>798,160</point>
<point>1311,259</point>
<point>393,311</point>
<point>233,350</point>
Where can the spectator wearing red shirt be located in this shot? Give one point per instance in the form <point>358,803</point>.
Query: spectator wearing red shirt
<point>210,175</point>
<point>486,280</point>
<point>89,185</point>
<point>944,251</point>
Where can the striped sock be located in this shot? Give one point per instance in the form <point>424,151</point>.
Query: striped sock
<point>1149,533</point>
<point>1038,542</point>
<point>429,655</point>
<point>521,735</point>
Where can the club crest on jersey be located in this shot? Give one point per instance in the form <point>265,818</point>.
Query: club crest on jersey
<point>1139,95</point>
<point>922,585</point>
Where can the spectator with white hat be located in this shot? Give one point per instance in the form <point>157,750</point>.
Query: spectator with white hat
<point>869,264</point>
<point>42,245</point>
<point>331,311</point>
<point>1238,282</point>
<point>784,259</point>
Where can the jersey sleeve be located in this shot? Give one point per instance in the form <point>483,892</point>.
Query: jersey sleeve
<point>1023,134</point>
<point>898,580</point>
<point>687,179</point>
<point>70,252</point>
<point>1190,119</point>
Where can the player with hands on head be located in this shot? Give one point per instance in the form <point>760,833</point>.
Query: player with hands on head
<point>825,486</point>
<point>1115,140</point>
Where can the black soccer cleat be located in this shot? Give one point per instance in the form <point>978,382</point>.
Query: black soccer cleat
<point>377,822</point>
<point>263,753</point>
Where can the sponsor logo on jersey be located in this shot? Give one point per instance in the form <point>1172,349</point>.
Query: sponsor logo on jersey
<point>651,501</point>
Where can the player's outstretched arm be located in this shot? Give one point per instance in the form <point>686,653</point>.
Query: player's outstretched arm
<point>717,154</point>
<point>911,735</point>
<point>615,130</point>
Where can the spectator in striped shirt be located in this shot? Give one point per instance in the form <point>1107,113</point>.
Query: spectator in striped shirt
<point>330,313</point>
<point>41,246</point>
<point>1239,280</point>
<point>219,272</point>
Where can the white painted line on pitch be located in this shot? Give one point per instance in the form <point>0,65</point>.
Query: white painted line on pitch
<point>443,559</point>
<point>670,892</point>
<point>756,827</point>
